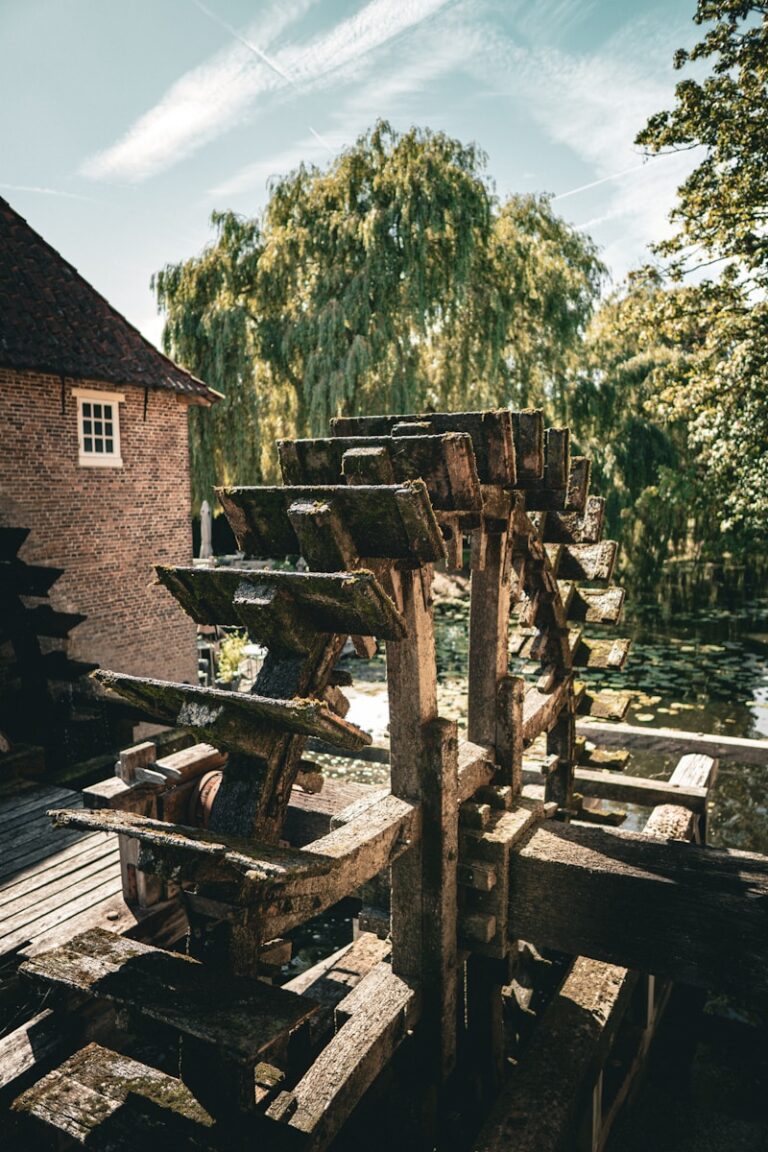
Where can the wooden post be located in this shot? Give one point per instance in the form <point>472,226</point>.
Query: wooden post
<point>561,740</point>
<point>494,717</point>
<point>412,685</point>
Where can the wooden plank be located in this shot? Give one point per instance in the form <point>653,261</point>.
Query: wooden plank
<point>81,902</point>
<point>595,605</point>
<point>18,905</point>
<point>591,562</point>
<point>31,1045</point>
<point>528,430</point>
<point>237,1016</point>
<point>86,847</point>
<point>347,602</point>
<point>29,805</point>
<point>36,851</point>
<point>331,979</point>
<point>577,527</point>
<point>326,1095</point>
<point>477,767</point>
<point>603,705</point>
<point>662,740</point>
<point>98,1098</point>
<point>281,887</point>
<point>446,464</point>
<point>412,686</point>
<point>666,907</point>
<point>235,720</point>
<point>631,789</point>
<point>392,521</point>
<point>540,1105</point>
<point>491,432</point>
<point>672,820</point>
<point>541,709</point>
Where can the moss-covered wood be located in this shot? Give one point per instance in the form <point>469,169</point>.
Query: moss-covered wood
<point>394,521</point>
<point>235,1016</point>
<point>591,562</point>
<point>232,720</point>
<point>491,432</point>
<point>446,464</point>
<point>102,1099</point>
<point>285,609</point>
<point>584,527</point>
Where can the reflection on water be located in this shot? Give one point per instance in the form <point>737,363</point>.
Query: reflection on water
<point>702,672</point>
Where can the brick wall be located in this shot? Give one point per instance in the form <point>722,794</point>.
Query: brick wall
<point>105,527</point>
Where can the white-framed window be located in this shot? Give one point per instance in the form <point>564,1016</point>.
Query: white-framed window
<point>98,428</point>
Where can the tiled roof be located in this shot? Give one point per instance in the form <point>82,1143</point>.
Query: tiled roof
<point>52,320</point>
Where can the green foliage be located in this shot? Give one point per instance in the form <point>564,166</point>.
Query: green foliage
<point>722,207</point>
<point>673,399</point>
<point>392,281</point>
<point>231,655</point>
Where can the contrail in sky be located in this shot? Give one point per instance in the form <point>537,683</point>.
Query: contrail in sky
<point>247,43</point>
<point>604,180</point>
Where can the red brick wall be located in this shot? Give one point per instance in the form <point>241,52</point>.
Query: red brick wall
<point>105,527</point>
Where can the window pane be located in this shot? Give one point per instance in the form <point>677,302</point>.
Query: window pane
<point>98,427</point>
<point>87,427</point>
<point>88,445</point>
<point>98,444</point>
<point>86,408</point>
<point>97,410</point>
<point>108,428</point>
<point>109,446</point>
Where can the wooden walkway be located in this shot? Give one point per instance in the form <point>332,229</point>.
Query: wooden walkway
<point>54,884</point>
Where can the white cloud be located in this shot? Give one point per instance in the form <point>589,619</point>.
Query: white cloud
<point>595,104</point>
<point>212,98</point>
<point>432,53</point>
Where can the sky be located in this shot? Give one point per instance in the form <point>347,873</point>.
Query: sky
<point>126,125</point>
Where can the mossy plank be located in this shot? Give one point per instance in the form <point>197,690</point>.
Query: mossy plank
<point>446,464</point>
<point>591,562</point>
<point>233,720</point>
<point>595,605</point>
<point>348,602</point>
<point>237,1017</point>
<point>491,432</point>
<point>372,515</point>
<point>109,1101</point>
<point>577,527</point>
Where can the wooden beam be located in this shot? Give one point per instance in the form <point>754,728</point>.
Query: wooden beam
<point>377,1014</point>
<point>662,740</point>
<point>697,915</point>
<point>630,789</point>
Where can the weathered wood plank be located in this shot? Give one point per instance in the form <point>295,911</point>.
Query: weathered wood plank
<point>577,527</point>
<point>279,887</point>
<point>631,789</point>
<point>697,915</point>
<point>394,522</point>
<point>595,605</point>
<point>491,432</point>
<point>101,1099</point>
<point>662,740</point>
<point>538,1109</point>
<point>325,1097</point>
<point>446,464</point>
<point>348,602</point>
<point>673,820</point>
<point>591,562</point>
<point>239,1017</point>
<point>233,720</point>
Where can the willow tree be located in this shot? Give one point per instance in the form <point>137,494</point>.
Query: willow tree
<point>391,280</point>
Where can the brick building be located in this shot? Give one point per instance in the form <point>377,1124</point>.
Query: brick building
<point>94,457</point>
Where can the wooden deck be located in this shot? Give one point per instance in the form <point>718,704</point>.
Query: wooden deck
<point>54,884</point>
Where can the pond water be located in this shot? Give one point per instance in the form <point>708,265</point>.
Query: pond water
<point>701,671</point>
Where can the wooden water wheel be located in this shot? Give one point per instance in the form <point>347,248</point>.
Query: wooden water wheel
<point>29,675</point>
<point>473,830</point>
